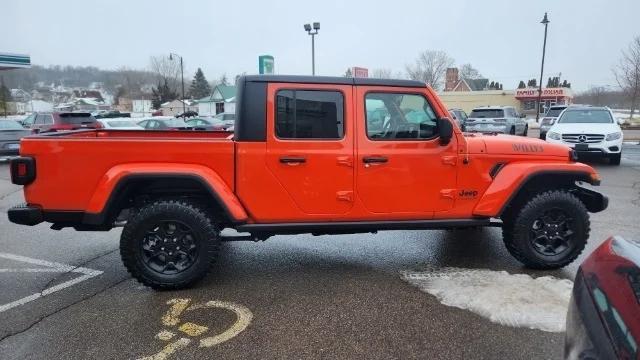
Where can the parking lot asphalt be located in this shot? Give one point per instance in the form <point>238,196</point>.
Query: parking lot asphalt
<point>289,297</point>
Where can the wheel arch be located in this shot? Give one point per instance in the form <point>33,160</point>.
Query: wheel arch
<point>513,184</point>
<point>120,186</point>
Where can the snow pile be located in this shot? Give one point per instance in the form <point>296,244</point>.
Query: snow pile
<point>513,300</point>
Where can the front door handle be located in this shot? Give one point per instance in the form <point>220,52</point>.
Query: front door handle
<point>293,160</point>
<point>374,159</point>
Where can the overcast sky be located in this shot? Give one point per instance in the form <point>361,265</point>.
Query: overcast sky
<point>502,39</point>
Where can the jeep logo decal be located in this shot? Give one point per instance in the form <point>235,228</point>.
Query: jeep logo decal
<point>470,194</point>
<point>527,147</point>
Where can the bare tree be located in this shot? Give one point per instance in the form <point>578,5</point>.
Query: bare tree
<point>166,69</point>
<point>627,73</point>
<point>382,73</point>
<point>430,67</point>
<point>467,71</point>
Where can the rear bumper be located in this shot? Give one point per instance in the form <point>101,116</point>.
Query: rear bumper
<point>25,215</point>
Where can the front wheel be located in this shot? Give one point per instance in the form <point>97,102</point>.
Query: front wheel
<point>549,231</point>
<point>526,130</point>
<point>169,244</point>
<point>512,131</point>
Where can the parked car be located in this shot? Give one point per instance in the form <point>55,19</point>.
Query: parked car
<point>11,132</point>
<point>112,115</point>
<point>496,119</point>
<point>228,119</point>
<point>120,124</point>
<point>459,116</point>
<point>164,124</point>
<point>307,164</point>
<point>603,321</point>
<point>206,124</point>
<point>59,121</point>
<point>589,130</point>
<point>187,114</point>
<point>550,118</point>
<point>28,121</point>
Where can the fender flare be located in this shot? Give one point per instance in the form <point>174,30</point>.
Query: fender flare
<point>513,177</point>
<point>115,179</point>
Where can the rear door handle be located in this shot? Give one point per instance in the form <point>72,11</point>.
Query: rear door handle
<point>374,159</point>
<point>293,160</point>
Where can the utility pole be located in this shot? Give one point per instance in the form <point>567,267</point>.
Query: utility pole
<point>544,21</point>
<point>184,108</point>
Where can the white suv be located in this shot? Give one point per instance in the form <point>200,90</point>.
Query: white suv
<point>588,130</point>
<point>496,119</point>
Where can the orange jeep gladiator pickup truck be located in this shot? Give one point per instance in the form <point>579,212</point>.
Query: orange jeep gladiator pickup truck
<point>317,155</point>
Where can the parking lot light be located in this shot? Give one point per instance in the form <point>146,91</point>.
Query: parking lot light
<point>313,33</point>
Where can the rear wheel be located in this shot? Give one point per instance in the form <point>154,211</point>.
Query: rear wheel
<point>548,232</point>
<point>169,244</point>
<point>526,130</point>
<point>614,159</point>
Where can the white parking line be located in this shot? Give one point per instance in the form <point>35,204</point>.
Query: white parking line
<point>47,267</point>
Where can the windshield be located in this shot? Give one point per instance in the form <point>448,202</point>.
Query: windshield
<point>586,117</point>
<point>487,113</point>
<point>10,125</point>
<point>554,112</point>
<point>175,123</point>
<point>77,118</point>
<point>117,124</point>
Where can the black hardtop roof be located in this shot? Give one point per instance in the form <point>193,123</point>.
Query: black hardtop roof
<point>331,80</point>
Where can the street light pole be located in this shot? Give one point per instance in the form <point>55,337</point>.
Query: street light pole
<point>544,21</point>
<point>184,109</point>
<point>313,33</point>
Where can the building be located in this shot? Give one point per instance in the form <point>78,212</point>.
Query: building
<point>467,100</point>
<point>453,82</point>
<point>466,94</point>
<point>222,99</point>
<point>175,107</point>
<point>528,97</point>
<point>39,106</point>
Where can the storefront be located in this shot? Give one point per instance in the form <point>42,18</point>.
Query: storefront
<point>550,96</point>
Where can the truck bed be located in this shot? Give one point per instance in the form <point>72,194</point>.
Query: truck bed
<point>92,153</point>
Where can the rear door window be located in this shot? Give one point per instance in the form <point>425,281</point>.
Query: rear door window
<point>309,114</point>
<point>77,118</point>
<point>486,113</point>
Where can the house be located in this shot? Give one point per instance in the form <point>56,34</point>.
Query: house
<point>89,104</point>
<point>39,106</point>
<point>453,82</point>
<point>175,107</point>
<point>222,99</point>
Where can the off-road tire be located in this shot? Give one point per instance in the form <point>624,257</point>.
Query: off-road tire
<point>614,159</point>
<point>204,234</point>
<point>518,227</point>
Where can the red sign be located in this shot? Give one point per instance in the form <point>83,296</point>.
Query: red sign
<point>546,92</point>
<point>360,72</point>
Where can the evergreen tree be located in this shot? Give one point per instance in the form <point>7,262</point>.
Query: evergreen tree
<point>522,85</point>
<point>5,96</point>
<point>348,73</point>
<point>162,93</point>
<point>549,83</point>
<point>492,85</point>
<point>199,86</point>
<point>500,87</point>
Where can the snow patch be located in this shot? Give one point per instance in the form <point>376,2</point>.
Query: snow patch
<point>512,300</point>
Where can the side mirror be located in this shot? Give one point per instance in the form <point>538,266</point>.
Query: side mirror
<point>445,130</point>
